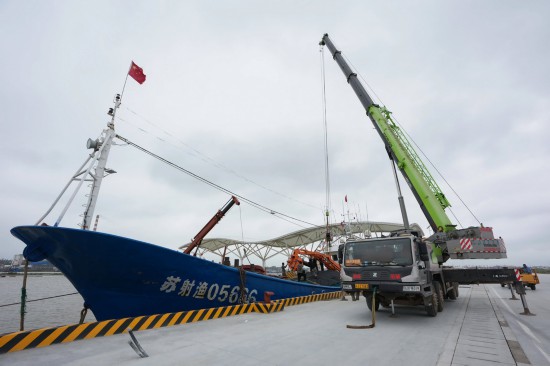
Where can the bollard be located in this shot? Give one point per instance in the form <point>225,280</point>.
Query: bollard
<point>267,296</point>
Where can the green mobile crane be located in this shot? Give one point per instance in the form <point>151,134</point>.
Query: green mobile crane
<point>406,268</point>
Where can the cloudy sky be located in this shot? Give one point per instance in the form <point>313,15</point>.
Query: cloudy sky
<point>233,94</point>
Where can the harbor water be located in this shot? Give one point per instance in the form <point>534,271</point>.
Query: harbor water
<point>59,309</point>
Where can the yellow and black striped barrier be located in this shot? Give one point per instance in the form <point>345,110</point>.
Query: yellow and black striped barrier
<point>19,341</point>
<point>311,298</point>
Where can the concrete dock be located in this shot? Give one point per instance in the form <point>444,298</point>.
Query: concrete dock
<point>471,330</point>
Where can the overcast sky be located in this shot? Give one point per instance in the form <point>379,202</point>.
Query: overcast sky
<point>233,94</point>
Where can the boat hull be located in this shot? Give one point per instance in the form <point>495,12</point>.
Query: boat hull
<point>120,277</point>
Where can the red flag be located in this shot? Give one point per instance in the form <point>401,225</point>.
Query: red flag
<point>346,198</point>
<point>137,73</point>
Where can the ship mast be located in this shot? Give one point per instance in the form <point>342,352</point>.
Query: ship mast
<point>102,146</point>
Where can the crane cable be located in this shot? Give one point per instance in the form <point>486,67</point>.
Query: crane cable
<point>328,234</point>
<point>279,215</point>
<point>325,129</point>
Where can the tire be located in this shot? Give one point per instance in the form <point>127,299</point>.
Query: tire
<point>376,302</point>
<point>533,287</point>
<point>440,297</point>
<point>432,308</point>
<point>502,284</point>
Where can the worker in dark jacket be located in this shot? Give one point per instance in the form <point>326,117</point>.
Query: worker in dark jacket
<point>301,272</point>
<point>313,267</point>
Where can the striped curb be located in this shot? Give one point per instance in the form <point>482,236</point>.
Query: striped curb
<point>19,341</point>
<point>47,336</point>
<point>310,298</point>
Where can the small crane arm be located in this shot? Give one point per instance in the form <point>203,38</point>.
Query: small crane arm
<point>327,261</point>
<point>197,240</point>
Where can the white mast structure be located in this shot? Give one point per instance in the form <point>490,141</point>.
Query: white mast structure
<point>98,157</point>
<point>102,146</point>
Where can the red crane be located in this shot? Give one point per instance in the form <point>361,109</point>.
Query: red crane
<point>197,240</point>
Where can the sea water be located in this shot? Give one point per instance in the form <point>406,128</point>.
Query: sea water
<point>55,311</point>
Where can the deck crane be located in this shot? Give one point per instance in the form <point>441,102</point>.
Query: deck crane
<point>197,240</point>
<point>326,259</point>
<point>405,268</point>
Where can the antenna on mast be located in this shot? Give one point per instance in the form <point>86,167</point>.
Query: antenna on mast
<point>112,111</point>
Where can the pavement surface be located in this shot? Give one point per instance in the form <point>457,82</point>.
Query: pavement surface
<point>472,330</point>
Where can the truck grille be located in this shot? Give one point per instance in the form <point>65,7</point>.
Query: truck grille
<point>375,275</point>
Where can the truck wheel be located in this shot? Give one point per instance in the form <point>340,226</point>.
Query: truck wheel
<point>439,291</point>
<point>376,302</point>
<point>533,287</point>
<point>432,308</point>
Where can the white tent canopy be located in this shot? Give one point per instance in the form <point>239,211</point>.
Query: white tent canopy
<point>311,239</point>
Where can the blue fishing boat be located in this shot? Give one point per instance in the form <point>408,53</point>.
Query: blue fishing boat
<point>120,277</point>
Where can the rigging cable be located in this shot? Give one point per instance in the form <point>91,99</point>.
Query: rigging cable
<point>197,154</point>
<point>241,218</point>
<point>419,149</point>
<point>279,215</point>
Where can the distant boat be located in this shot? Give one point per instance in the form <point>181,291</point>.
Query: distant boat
<point>120,277</point>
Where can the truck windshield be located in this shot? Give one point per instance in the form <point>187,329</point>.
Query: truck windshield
<point>390,252</point>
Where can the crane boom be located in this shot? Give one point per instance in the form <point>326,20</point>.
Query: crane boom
<point>197,240</point>
<point>473,242</point>
<point>431,199</point>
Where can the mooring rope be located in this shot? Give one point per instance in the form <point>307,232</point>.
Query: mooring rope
<point>44,298</point>
<point>242,275</point>
<point>83,313</point>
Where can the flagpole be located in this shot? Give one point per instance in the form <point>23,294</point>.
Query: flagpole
<point>118,99</point>
<point>125,80</point>
<point>140,78</point>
